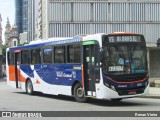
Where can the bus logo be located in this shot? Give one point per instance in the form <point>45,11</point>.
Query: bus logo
<point>62,74</point>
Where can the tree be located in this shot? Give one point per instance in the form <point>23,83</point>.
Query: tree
<point>4,47</point>
<point>22,44</point>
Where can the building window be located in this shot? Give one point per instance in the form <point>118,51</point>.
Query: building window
<point>74,53</point>
<point>59,54</point>
<point>36,56</point>
<point>26,57</point>
<point>47,55</point>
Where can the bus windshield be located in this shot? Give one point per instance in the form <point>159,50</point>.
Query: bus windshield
<point>125,59</point>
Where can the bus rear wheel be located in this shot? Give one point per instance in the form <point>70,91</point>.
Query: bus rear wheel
<point>29,88</point>
<point>79,93</point>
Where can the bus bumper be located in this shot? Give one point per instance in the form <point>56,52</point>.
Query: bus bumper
<point>104,92</point>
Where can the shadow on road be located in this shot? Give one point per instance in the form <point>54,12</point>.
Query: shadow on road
<point>97,102</point>
<point>115,104</point>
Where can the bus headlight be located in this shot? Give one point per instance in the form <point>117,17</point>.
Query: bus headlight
<point>113,88</point>
<point>110,86</point>
<point>107,85</point>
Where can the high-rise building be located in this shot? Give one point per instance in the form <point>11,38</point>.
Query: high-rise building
<point>25,18</point>
<point>24,15</point>
<point>41,17</point>
<point>31,20</point>
<point>37,9</point>
<point>18,13</point>
<point>0,30</point>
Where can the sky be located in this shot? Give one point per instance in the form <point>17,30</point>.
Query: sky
<point>7,9</point>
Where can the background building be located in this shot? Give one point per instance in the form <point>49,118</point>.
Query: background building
<point>7,31</point>
<point>31,20</point>
<point>23,37</point>
<point>13,37</point>
<point>24,15</point>
<point>25,18</point>
<point>41,19</point>
<point>73,17</point>
<point>66,18</point>
<point>69,18</point>
<point>0,30</point>
<point>18,15</point>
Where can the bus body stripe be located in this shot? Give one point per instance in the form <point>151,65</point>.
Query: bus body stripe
<point>136,81</point>
<point>11,73</point>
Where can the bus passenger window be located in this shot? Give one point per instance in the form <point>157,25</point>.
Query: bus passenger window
<point>47,55</point>
<point>26,57</point>
<point>10,58</point>
<point>36,56</point>
<point>74,53</point>
<point>59,56</point>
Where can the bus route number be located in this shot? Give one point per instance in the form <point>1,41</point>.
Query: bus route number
<point>116,68</point>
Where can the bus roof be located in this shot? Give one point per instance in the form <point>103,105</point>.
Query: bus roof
<point>65,40</point>
<point>50,41</point>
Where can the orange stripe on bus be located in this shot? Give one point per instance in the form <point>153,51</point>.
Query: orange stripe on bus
<point>11,73</point>
<point>12,76</point>
<point>22,78</point>
<point>136,81</point>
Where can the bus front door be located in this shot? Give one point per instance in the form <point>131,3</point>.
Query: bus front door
<point>89,55</point>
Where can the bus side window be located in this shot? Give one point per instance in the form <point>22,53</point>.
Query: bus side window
<point>59,54</point>
<point>36,56</point>
<point>47,55</point>
<point>74,53</point>
<point>10,58</point>
<point>25,57</point>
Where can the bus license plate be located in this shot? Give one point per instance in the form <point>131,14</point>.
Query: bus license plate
<point>132,92</point>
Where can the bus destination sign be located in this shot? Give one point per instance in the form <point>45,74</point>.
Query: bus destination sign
<point>124,39</point>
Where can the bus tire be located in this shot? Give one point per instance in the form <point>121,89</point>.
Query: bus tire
<point>29,88</point>
<point>79,93</point>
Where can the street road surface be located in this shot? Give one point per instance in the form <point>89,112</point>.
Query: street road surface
<point>12,99</point>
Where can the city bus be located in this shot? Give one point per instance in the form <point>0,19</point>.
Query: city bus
<point>103,66</point>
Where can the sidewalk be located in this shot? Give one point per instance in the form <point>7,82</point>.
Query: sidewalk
<point>2,79</point>
<point>154,92</point>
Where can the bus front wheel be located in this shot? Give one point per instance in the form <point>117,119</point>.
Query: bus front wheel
<point>79,93</point>
<point>29,87</point>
